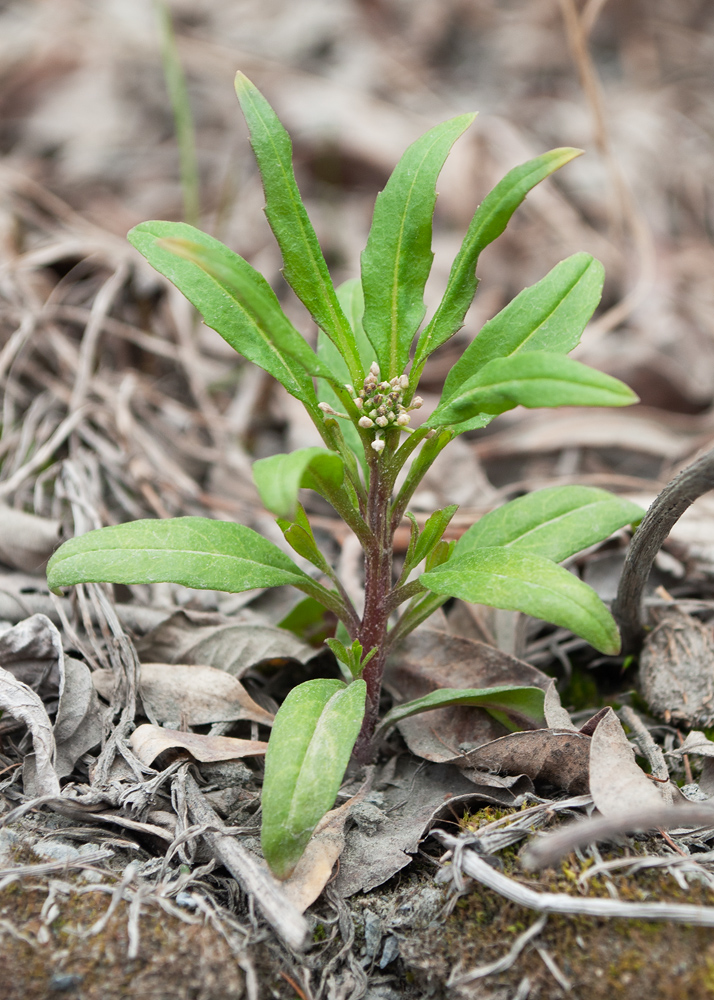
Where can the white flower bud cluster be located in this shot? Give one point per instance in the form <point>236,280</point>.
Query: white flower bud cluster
<point>380,402</point>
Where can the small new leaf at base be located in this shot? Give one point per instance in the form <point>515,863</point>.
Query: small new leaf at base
<point>507,578</point>
<point>521,706</point>
<point>310,746</point>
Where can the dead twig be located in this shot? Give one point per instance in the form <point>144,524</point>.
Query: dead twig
<point>285,920</point>
<point>559,902</point>
<point>691,483</point>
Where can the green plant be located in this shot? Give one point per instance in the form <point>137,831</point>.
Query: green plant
<point>359,390</point>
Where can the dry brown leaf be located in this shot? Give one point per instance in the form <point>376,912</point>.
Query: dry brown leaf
<point>314,869</point>
<point>411,796</point>
<point>21,702</point>
<point>26,541</point>
<point>428,660</point>
<point>556,717</point>
<point>232,645</point>
<point>549,756</point>
<point>193,693</point>
<point>149,741</point>
<point>677,670</point>
<point>78,726</point>
<point>617,784</point>
<point>32,652</point>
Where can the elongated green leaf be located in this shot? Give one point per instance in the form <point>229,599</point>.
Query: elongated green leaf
<point>431,534</point>
<point>234,299</point>
<point>491,218</point>
<point>350,296</point>
<point>305,268</point>
<point>556,522</point>
<point>523,706</point>
<point>279,477</point>
<point>530,379</point>
<point>193,551</point>
<point>397,259</point>
<point>310,746</point>
<point>299,536</point>
<point>517,581</point>
<point>549,316</point>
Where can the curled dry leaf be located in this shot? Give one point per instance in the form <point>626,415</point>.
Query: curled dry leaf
<point>32,652</point>
<point>78,726</point>
<point>149,741</point>
<point>233,645</point>
<point>314,869</point>
<point>195,693</point>
<point>21,702</point>
<point>677,670</point>
<point>548,756</point>
<point>617,784</point>
<point>556,717</point>
<point>428,660</point>
<point>412,796</point>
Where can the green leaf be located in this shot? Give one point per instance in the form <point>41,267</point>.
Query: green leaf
<point>305,268</point>
<point>350,296</point>
<point>517,581</point>
<point>555,523</point>
<point>397,259</point>
<point>235,300</point>
<point>309,621</point>
<point>430,535</point>
<point>300,538</point>
<point>549,316</point>
<point>491,218</point>
<point>531,379</point>
<point>279,477</point>
<point>192,551</point>
<point>310,745</point>
<point>440,554</point>
<point>522,706</point>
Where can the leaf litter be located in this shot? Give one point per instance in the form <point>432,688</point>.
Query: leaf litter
<point>159,428</point>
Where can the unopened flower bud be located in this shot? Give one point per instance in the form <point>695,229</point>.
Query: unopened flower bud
<point>403,419</point>
<point>373,414</point>
<point>374,369</point>
<point>416,403</point>
<point>381,421</point>
<point>326,408</point>
<point>350,388</point>
<point>404,381</point>
<point>385,386</point>
<point>390,416</point>
<point>378,446</point>
<point>358,402</point>
<point>365,422</point>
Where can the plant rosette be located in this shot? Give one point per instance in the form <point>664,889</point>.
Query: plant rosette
<point>359,388</point>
